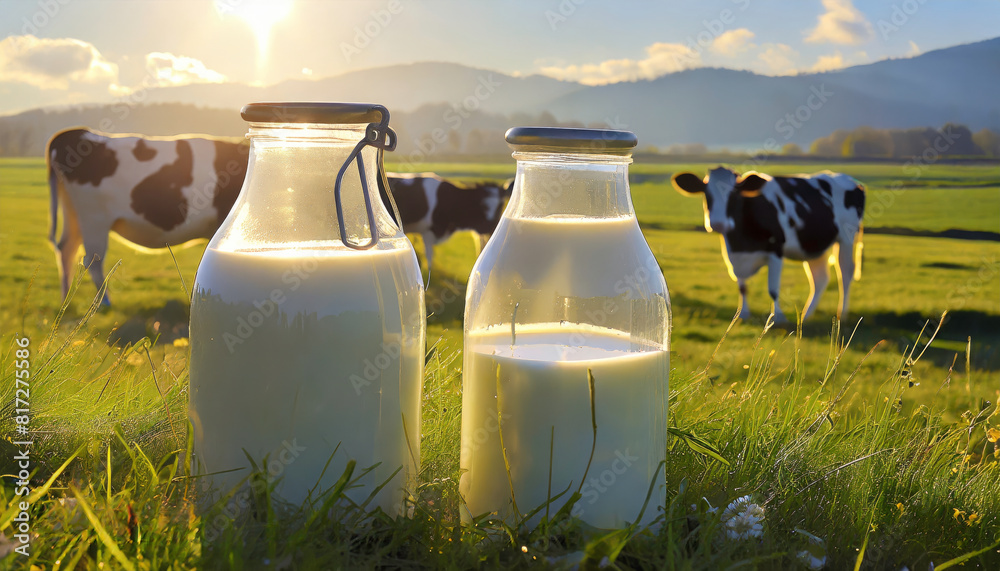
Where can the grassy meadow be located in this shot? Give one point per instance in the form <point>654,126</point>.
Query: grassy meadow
<point>870,436</point>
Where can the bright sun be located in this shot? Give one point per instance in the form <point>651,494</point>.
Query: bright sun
<point>259,15</point>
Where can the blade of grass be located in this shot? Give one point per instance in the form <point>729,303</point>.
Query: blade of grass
<point>108,470</point>
<point>697,444</point>
<point>179,274</point>
<point>548,492</point>
<point>102,533</point>
<point>503,449</point>
<point>593,424</point>
<point>868,532</point>
<point>963,558</point>
<point>166,405</point>
<point>40,491</point>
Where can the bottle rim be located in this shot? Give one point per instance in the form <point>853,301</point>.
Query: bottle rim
<point>557,140</point>
<point>315,112</point>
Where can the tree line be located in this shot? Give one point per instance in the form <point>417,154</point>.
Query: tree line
<point>950,140</point>
<point>437,130</point>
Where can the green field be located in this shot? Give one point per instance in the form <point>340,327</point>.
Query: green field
<point>873,452</point>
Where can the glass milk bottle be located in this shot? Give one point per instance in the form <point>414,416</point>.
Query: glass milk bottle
<point>566,285</point>
<point>307,318</point>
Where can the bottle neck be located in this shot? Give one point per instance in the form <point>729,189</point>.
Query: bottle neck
<point>288,193</point>
<point>570,185</point>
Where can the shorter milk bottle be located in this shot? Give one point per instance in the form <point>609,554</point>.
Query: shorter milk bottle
<point>307,318</point>
<point>567,326</point>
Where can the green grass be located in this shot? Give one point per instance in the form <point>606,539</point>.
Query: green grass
<point>858,448</point>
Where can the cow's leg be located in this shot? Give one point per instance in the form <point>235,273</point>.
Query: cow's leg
<point>818,273</point>
<point>429,240</point>
<point>744,303</point>
<point>95,247</point>
<point>845,273</point>
<point>67,249</point>
<point>743,266</point>
<point>774,265</point>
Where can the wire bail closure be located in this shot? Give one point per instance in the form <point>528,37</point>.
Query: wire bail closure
<point>383,138</point>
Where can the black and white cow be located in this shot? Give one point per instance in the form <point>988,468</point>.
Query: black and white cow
<point>436,208</point>
<point>152,191</point>
<point>164,191</point>
<point>764,220</point>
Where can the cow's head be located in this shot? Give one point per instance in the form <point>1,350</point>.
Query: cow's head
<point>492,198</point>
<point>718,188</point>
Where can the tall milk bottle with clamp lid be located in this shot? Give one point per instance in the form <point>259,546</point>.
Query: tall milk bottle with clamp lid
<point>307,318</point>
<point>567,329</point>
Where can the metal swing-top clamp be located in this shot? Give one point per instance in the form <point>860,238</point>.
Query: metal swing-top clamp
<point>377,135</point>
<point>383,138</point>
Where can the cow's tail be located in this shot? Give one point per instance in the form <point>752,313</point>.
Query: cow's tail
<point>859,248</point>
<point>53,192</point>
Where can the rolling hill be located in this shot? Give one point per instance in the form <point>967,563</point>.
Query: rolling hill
<point>708,105</point>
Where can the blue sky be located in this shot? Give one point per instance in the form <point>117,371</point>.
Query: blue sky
<point>74,51</point>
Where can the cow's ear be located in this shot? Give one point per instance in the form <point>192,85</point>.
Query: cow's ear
<point>750,183</point>
<point>688,183</point>
<point>508,187</point>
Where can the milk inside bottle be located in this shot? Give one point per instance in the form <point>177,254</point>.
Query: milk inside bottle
<point>567,328</point>
<point>307,318</point>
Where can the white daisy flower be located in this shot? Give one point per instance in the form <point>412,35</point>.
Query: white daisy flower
<point>743,519</point>
<point>744,526</point>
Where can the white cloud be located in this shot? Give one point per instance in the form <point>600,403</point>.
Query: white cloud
<point>842,23</point>
<point>914,49</point>
<point>52,63</point>
<point>733,42</point>
<point>167,69</point>
<point>779,59</point>
<point>661,58</point>
<point>829,63</point>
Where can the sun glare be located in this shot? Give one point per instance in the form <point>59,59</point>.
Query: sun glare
<point>260,16</point>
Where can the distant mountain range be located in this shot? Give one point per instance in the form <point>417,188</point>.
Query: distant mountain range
<point>717,107</point>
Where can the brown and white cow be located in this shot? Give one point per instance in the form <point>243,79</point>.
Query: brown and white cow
<point>764,220</point>
<point>436,208</point>
<point>153,192</point>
